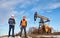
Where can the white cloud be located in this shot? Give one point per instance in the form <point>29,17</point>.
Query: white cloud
<point>46,8</point>
<point>26,3</point>
<point>49,11</point>
<point>53,6</point>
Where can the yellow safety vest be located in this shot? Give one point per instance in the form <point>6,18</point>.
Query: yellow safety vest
<point>23,23</point>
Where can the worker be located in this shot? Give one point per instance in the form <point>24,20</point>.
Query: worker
<point>11,22</point>
<point>23,25</point>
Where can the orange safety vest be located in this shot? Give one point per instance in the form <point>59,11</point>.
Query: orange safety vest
<point>23,23</point>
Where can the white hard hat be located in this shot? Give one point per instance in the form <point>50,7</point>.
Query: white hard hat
<point>12,15</point>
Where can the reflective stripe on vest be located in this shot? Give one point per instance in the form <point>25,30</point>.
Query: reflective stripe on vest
<point>23,23</point>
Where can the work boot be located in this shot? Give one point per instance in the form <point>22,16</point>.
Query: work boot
<point>13,36</point>
<point>26,36</point>
<point>8,35</point>
<point>20,35</point>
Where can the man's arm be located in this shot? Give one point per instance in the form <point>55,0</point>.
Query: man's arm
<point>14,21</point>
<point>26,23</point>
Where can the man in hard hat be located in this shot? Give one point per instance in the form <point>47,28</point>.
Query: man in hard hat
<point>23,25</point>
<point>11,23</point>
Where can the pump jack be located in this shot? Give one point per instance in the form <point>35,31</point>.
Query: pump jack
<point>43,20</point>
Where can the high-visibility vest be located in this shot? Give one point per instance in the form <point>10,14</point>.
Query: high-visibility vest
<point>23,23</point>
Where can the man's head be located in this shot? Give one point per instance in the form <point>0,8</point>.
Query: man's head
<point>12,16</point>
<point>24,17</point>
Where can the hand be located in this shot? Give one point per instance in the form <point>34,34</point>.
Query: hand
<point>13,24</point>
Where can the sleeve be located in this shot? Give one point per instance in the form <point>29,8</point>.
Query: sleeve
<point>14,21</point>
<point>26,23</point>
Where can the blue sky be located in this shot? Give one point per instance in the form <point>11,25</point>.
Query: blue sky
<point>47,8</point>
